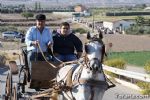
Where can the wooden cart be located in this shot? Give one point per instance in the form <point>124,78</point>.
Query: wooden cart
<point>41,78</point>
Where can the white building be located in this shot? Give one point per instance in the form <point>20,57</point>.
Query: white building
<point>118,26</point>
<point>147,9</point>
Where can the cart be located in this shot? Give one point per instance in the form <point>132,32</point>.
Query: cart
<point>40,80</point>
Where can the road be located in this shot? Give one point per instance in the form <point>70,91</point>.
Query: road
<point>123,93</point>
<point>117,93</point>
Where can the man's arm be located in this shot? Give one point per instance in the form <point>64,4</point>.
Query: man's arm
<point>50,38</point>
<point>28,38</point>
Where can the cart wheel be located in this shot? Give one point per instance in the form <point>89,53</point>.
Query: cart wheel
<point>14,93</point>
<point>8,87</point>
<point>22,80</point>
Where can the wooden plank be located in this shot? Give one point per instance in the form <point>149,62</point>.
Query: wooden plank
<point>42,74</point>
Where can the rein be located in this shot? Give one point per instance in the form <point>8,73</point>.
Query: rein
<point>45,57</point>
<point>63,63</point>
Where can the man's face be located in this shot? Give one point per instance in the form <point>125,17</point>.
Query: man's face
<point>40,23</point>
<point>65,30</point>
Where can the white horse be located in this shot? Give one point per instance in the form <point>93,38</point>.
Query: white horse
<point>85,79</point>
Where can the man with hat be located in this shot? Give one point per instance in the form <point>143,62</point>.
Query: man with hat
<point>36,36</point>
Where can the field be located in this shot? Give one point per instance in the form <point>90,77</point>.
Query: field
<point>132,58</point>
<point>132,44</point>
<point>135,50</point>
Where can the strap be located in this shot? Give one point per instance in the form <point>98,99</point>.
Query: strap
<point>45,57</point>
<point>90,82</point>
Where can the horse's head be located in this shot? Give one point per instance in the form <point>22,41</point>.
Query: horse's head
<point>94,49</point>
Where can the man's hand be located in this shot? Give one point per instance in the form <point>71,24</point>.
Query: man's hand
<point>50,44</point>
<point>79,54</point>
<point>35,42</point>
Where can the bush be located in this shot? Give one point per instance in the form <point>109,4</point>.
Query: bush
<point>80,30</point>
<point>138,29</point>
<point>145,87</point>
<point>2,60</point>
<point>111,74</point>
<point>118,63</point>
<point>147,67</point>
<point>8,28</point>
<point>27,14</point>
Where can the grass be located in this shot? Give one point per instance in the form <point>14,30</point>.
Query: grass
<point>132,58</point>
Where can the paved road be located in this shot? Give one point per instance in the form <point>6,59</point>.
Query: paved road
<point>118,93</point>
<point>123,93</point>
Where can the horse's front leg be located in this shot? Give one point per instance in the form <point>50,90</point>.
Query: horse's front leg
<point>81,92</point>
<point>98,93</point>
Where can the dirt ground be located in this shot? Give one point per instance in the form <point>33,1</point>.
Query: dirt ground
<point>123,43</point>
<point>120,43</point>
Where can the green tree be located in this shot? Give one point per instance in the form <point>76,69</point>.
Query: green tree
<point>140,20</point>
<point>36,6</point>
<point>39,6</point>
<point>27,14</point>
<point>148,22</point>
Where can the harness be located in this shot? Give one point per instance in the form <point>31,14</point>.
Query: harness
<point>66,84</point>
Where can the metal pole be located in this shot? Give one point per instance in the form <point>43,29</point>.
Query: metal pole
<point>19,59</point>
<point>92,22</point>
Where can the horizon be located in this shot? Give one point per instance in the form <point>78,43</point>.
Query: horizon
<point>96,3</point>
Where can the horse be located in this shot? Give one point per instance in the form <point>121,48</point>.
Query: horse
<point>84,80</point>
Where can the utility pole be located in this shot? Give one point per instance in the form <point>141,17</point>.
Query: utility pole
<point>92,22</point>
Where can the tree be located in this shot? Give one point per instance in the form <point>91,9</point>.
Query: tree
<point>36,6</point>
<point>39,6</point>
<point>27,14</point>
<point>140,20</point>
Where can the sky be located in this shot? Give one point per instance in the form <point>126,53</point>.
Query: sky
<point>71,2</point>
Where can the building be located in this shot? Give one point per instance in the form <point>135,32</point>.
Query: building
<point>118,26</point>
<point>80,8</point>
<point>147,9</point>
<point>76,16</point>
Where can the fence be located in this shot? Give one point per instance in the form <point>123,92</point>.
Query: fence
<point>130,74</point>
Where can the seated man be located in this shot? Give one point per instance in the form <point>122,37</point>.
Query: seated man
<point>65,44</point>
<point>36,36</point>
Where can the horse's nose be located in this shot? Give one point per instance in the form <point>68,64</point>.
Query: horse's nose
<point>96,68</point>
<point>94,65</point>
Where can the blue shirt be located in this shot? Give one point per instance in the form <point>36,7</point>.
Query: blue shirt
<point>34,34</point>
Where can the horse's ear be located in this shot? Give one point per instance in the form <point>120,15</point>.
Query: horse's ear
<point>86,48</point>
<point>88,35</point>
<point>100,35</point>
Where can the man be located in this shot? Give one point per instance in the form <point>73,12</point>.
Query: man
<point>38,35</point>
<point>65,44</point>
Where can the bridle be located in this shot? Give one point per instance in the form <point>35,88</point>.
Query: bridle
<point>87,60</point>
